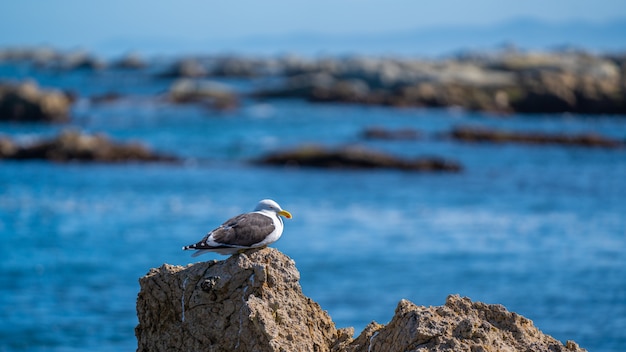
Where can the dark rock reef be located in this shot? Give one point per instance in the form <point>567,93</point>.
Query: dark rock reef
<point>70,146</point>
<point>253,302</point>
<point>482,134</point>
<point>354,158</point>
<point>381,133</point>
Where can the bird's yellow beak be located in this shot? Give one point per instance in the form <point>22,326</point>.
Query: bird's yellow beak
<point>285,213</point>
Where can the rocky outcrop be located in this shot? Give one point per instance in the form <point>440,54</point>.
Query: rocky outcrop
<point>185,68</point>
<point>75,146</point>
<point>211,94</point>
<point>253,302</point>
<point>482,134</point>
<point>575,82</point>
<point>248,302</point>
<point>27,102</point>
<point>354,158</point>
<point>130,61</point>
<point>459,325</point>
<point>503,82</point>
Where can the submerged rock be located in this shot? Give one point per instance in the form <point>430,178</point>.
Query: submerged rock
<point>75,146</point>
<point>386,134</point>
<point>481,134</point>
<point>27,102</point>
<point>254,302</point>
<point>355,158</point>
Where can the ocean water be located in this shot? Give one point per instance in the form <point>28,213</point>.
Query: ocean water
<point>539,229</point>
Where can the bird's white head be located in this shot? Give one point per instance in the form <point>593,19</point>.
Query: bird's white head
<point>270,205</point>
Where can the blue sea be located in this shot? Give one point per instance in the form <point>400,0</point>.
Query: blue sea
<point>539,229</point>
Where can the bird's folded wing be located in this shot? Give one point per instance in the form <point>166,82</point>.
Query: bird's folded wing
<point>242,231</point>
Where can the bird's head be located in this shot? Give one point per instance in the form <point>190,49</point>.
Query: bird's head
<point>270,205</point>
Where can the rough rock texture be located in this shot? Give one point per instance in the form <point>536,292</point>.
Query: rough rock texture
<point>459,325</point>
<point>27,102</point>
<point>72,145</point>
<point>253,302</point>
<point>355,158</point>
<point>248,302</point>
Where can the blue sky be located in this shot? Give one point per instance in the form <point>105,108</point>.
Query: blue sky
<point>98,23</point>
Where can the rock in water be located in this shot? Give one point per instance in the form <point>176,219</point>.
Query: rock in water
<point>27,102</point>
<point>459,325</point>
<point>248,302</point>
<point>253,302</point>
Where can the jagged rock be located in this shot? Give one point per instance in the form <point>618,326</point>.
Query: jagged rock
<point>459,325</point>
<point>248,302</point>
<point>75,146</point>
<point>27,102</point>
<point>481,134</point>
<point>253,302</point>
<point>354,158</point>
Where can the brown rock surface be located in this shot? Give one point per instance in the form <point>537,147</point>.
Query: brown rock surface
<point>72,145</point>
<point>248,302</point>
<point>481,134</point>
<point>212,94</point>
<point>355,158</point>
<point>459,325</point>
<point>253,302</point>
<point>26,101</point>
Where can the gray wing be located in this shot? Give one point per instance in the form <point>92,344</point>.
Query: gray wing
<point>241,231</point>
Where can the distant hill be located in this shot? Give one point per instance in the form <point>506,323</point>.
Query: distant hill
<point>525,33</point>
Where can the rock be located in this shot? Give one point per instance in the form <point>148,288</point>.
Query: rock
<point>248,302</point>
<point>346,90</point>
<point>185,68</point>
<point>75,146</point>
<point>130,61</point>
<point>506,83</point>
<point>354,158</point>
<point>215,95</point>
<point>79,60</point>
<point>459,325</point>
<point>481,134</point>
<point>385,134</point>
<point>7,147</point>
<point>26,102</point>
<point>300,86</point>
<point>253,302</point>
<point>235,67</point>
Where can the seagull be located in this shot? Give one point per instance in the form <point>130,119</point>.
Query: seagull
<point>257,229</point>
